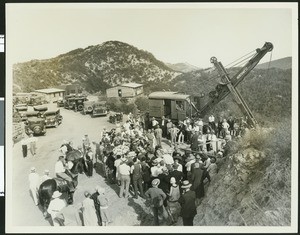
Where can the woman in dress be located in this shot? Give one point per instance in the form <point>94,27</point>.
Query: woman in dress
<point>89,211</point>
<point>173,207</point>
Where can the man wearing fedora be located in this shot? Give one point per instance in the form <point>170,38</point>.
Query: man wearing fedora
<point>34,183</point>
<point>188,205</point>
<point>124,171</point>
<point>190,160</point>
<point>55,207</point>
<point>156,196</point>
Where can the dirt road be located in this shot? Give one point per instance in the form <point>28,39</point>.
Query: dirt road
<point>127,212</point>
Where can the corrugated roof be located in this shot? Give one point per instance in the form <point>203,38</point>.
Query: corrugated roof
<point>49,90</point>
<point>132,84</point>
<point>168,95</point>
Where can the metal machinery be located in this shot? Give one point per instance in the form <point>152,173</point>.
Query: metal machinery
<point>99,109</point>
<point>88,107</point>
<point>227,86</point>
<point>172,105</point>
<point>53,117</point>
<point>36,126</point>
<point>75,102</point>
<point>177,106</point>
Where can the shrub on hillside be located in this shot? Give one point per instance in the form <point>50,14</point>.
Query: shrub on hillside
<point>120,105</point>
<point>142,103</point>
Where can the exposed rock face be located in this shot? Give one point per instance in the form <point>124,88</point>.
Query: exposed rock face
<point>246,162</point>
<point>242,194</point>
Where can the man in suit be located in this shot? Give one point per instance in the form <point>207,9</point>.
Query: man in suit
<point>163,125</point>
<point>156,197</point>
<point>188,205</point>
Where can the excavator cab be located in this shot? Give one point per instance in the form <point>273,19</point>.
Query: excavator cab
<point>173,105</point>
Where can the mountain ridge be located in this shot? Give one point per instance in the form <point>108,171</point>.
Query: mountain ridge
<point>183,67</point>
<point>282,63</point>
<point>96,67</point>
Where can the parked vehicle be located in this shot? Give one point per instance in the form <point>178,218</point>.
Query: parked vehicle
<point>99,109</point>
<point>116,117</point>
<point>88,107</point>
<point>60,102</point>
<point>40,108</point>
<point>21,109</point>
<point>74,102</point>
<point>69,102</point>
<point>36,126</point>
<point>30,114</point>
<point>53,118</point>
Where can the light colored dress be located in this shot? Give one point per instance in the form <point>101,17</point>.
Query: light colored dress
<point>89,213</point>
<point>173,204</point>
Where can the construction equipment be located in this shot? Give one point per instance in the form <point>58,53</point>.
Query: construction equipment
<point>177,106</point>
<point>227,85</point>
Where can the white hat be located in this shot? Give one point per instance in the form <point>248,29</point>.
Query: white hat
<point>100,190</point>
<point>131,154</point>
<point>90,154</point>
<point>186,184</point>
<point>155,182</point>
<point>56,194</point>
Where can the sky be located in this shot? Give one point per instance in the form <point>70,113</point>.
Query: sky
<point>173,33</point>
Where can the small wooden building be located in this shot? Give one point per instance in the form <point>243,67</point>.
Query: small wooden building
<point>127,90</point>
<point>51,94</point>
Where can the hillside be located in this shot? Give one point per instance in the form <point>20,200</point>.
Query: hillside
<point>182,67</point>
<point>95,67</point>
<point>253,185</point>
<point>284,63</point>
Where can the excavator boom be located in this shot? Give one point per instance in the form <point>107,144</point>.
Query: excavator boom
<point>228,84</point>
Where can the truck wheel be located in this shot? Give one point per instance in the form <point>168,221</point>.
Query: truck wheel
<point>80,107</point>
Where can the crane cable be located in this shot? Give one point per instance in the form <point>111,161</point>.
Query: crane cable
<point>251,52</point>
<point>267,75</point>
<point>241,62</point>
<point>249,55</point>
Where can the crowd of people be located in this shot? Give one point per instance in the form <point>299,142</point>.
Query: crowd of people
<point>163,163</point>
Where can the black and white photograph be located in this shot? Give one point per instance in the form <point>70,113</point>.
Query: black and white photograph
<point>142,117</point>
